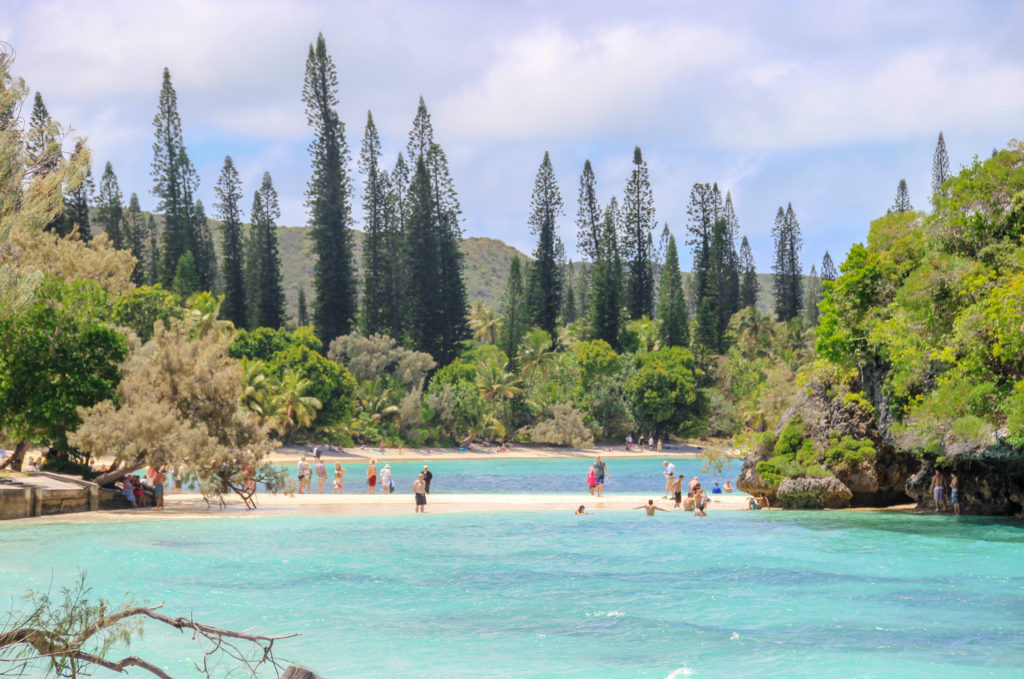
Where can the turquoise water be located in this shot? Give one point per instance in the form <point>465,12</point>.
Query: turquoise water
<point>633,475</point>
<point>617,594</point>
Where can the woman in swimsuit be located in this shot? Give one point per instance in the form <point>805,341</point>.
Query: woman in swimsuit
<point>591,480</point>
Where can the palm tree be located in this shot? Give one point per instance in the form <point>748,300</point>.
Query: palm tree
<point>754,330</point>
<point>535,353</point>
<point>378,399</point>
<point>299,409</point>
<point>484,322</point>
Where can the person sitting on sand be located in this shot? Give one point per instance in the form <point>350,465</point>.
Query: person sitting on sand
<point>371,477</point>
<point>650,508</point>
<point>419,489</point>
<point>581,510</point>
<point>688,502</point>
<point>339,478</point>
<point>727,488</point>
<point>591,479</point>
<point>752,504</point>
<point>762,501</point>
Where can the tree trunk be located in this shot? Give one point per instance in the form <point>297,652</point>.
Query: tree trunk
<point>114,474</point>
<point>14,461</point>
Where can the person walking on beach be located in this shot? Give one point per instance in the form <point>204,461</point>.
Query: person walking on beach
<point>939,490</point>
<point>591,479</point>
<point>385,480</point>
<point>629,442</point>
<point>321,474</point>
<point>954,493</point>
<point>600,473</point>
<point>427,477</point>
<point>650,508</point>
<point>419,489</point>
<point>371,477</point>
<point>670,478</point>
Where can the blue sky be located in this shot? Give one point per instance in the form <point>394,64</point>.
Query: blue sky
<point>825,105</point>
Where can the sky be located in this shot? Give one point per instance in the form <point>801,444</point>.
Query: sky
<point>822,105</point>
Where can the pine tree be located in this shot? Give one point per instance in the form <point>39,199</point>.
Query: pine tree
<point>173,176</point>
<point>328,198</point>
<point>940,166</point>
<point>229,211</point>
<point>675,327</point>
<point>606,282</point>
<point>787,269</point>
<point>42,143</point>
<point>377,213</point>
<point>812,297</point>
<point>186,281</point>
<point>724,284</point>
<point>828,269</point>
<point>515,315</point>
<point>701,219</point>
<point>748,273</point>
<point>394,241</point>
<point>588,215</point>
<point>135,236</point>
<point>266,296</point>
<point>902,202</point>
<point>110,207</point>
<point>637,225</point>
<point>422,247</point>
<point>154,258</point>
<point>716,267</point>
<point>570,310</point>
<point>544,287</point>
<point>303,313</point>
<point>206,257</point>
<point>421,137</point>
<point>76,202</point>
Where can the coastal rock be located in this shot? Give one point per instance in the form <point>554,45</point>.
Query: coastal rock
<point>824,493</point>
<point>991,482</point>
<point>749,481</point>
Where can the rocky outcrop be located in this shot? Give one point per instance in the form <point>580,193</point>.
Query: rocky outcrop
<point>991,481</point>
<point>824,493</point>
<point>749,481</point>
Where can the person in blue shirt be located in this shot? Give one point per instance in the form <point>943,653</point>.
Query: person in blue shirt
<point>717,490</point>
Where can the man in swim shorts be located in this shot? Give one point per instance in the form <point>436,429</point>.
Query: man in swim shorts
<point>650,508</point>
<point>419,489</point>
<point>939,490</point>
<point>954,493</point>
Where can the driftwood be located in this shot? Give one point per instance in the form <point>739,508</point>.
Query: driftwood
<point>212,640</point>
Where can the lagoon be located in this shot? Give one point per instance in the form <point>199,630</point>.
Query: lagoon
<point>616,594</point>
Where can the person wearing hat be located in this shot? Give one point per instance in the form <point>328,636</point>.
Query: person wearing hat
<point>427,476</point>
<point>385,480</point>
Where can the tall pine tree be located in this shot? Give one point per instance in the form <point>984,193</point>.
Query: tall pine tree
<point>675,326</point>
<point>377,210</point>
<point>588,215</point>
<point>174,181</point>
<point>328,199</point>
<point>266,296</point>
<point>637,217</point>
<point>302,312</point>
<point>748,275</point>
<point>42,144</point>
<point>76,202</point>
<point>110,207</point>
<point>940,166</point>
<point>154,258</point>
<point>515,313</point>
<point>422,247</point>
<point>788,277</point>
<point>229,211</point>
<point>545,278</point>
<point>606,282</point>
<point>812,297</point>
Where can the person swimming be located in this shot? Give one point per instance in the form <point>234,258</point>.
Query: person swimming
<point>582,510</point>
<point>650,508</point>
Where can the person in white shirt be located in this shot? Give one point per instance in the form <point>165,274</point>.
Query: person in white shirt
<point>670,478</point>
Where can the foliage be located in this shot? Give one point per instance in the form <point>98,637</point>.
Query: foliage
<point>143,307</point>
<point>848,452</point>
<point>664,394</point>
<point>563,426</point>
<point>544,279</point>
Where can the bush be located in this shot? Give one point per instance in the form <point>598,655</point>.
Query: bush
<point>563,427</point>
<point>849,452</point>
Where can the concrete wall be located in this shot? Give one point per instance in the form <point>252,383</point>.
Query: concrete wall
<point>46,493</point>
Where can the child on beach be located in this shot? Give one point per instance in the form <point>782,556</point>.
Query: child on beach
<point>591,479</point>
<point>677,491</point>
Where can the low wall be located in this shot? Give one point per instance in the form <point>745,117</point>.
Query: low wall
<point>46,493</point>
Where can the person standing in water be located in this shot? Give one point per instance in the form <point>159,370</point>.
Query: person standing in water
<point>591,479</point>
<point>650,508</point>
<point>371,477</point>
<point>339,478</point>
<point>321,474</point>
<point>303,472</point>
<point>428,476</point>
<point>385,479</point>
<point>600,473</point>
<point>419,489</point>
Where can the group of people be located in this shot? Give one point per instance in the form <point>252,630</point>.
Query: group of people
<point>374,477</point>
<point>651,443</point>
<point>596,476</point>
<point>134,488</point>
<point>939,491</point>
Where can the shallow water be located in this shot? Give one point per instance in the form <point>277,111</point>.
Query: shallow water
<point>631,475</point>
<point>765,594</point>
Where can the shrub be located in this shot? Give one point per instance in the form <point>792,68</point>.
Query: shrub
<point>849,452</point>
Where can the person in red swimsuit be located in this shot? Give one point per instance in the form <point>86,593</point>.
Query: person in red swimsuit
<point>371,477</point>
